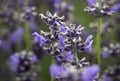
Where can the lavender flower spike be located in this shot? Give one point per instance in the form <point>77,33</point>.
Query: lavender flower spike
<point>91,2</point>
<point>39,39</point>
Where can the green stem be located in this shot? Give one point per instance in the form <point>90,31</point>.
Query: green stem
<point>75,54</point>
<point>26,31</point>
<point>52,59</point>
<point>26,36</point>
<point>98,41</point>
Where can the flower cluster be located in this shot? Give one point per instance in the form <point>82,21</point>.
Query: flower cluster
<point>94,9</point>
<point>111,50</point>
<point>63,42</point>
<point>22,64</point>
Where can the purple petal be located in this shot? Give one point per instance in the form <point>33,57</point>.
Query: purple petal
<point>90,73</point>
<point>61,40</point>
<point>40,39</point>
<point>69,56</point>
<point>106,78</point>
<point>105,54</point>
<point>13,62</point>
<point>115,8</point>
<point>88,48</point>
<point>87,45</point>
<point>89,38</point>
<point>91,2</point>
<point>62,29</point>
<point>16,35</point>
<point>34,58</point>
<point>57,70</point>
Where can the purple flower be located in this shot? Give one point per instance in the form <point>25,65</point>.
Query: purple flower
<point>91,2</point>
<point>13,62</point>
<point>28,12</point>
<point>5,45</point>
<point>61,40</point>
<point>69,56</point>
<point>62,29</point>
<point>34,58</point>
<point>55,1</point>
<point>32,25</point>
<point>65,56</point>
<point>57,71</point>
<point>105,10</point>
<point>23,60</point>
<point>52,20</point>
<point>90,73</point>
<point>16,35</point>
<point>105,52</point>
<point>86,46</point>
<point>115,7</point>
<point>39,39</point>
<point>106,78</point>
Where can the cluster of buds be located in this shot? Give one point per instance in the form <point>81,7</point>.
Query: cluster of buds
<point>62,42</point>
<point>95,9</point>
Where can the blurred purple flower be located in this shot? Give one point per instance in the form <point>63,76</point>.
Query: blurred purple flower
<point>16,35</point>
<point>105,10</point>
<point>23,60</point>
<point>105,52</point>
<point>32,25</point>
<point>91,2</point>
<point>13,62</point>
<point>34,58</point>
<point>104,77</point>
<point>56,70</point>
<point>5,45</point>
<point>90,73</point>
<point>115,7</point>
<point>28,13</point>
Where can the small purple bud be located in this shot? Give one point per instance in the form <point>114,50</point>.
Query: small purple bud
<point>115,8</point>
<point>57,70</point>
<point>90,73</point>
<point>69,56</point>
<point>40,39</point>
<point>91,2</point>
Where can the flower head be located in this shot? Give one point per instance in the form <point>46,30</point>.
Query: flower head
<point>105,10</point>
<point>52,20</point>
